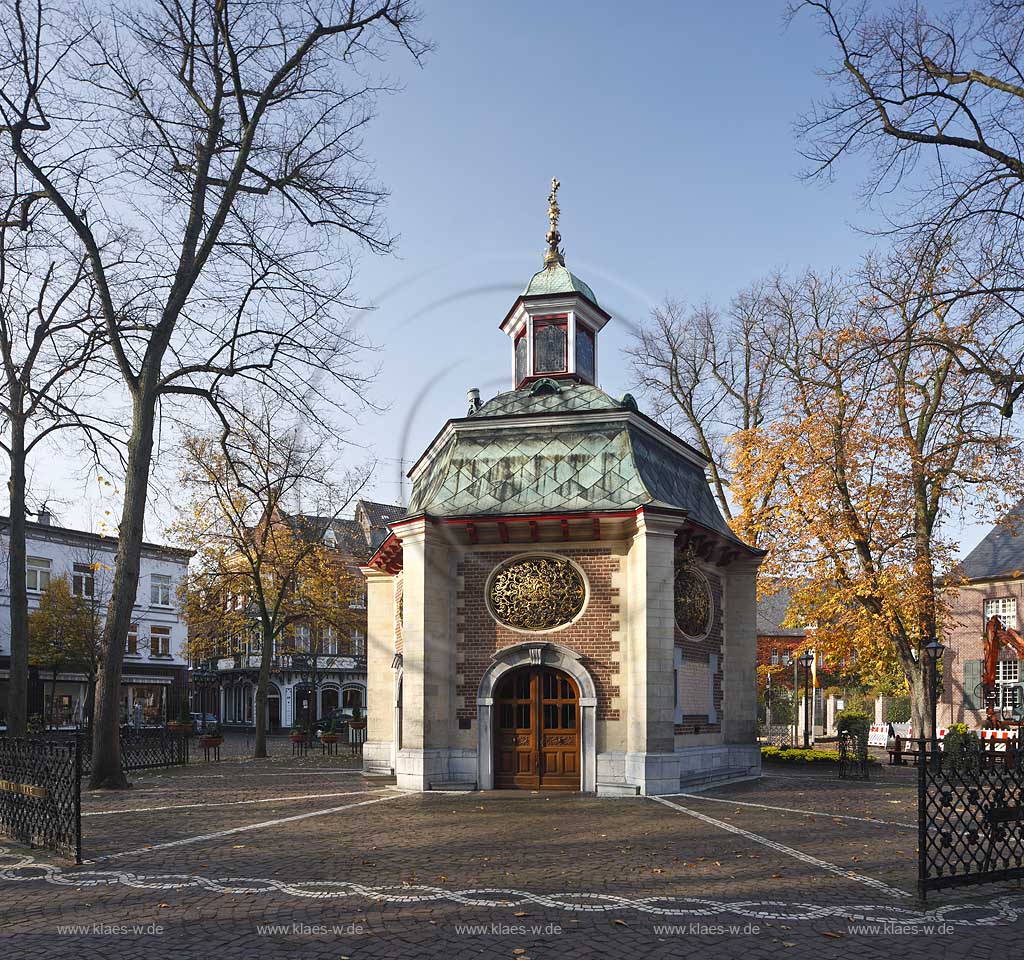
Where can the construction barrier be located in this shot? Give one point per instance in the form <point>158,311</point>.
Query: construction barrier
<point>878,735</point>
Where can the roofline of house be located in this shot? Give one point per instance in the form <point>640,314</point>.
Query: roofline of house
<point>69,533</point>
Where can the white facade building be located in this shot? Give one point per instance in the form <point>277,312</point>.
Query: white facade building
<point>155,671</point>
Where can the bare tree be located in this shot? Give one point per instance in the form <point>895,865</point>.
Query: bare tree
<point>936,98</point>
<point>49,332</point>
<point>711,375</point>
<point>207,157</point>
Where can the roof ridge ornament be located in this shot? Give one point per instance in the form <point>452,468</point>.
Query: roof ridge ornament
<point>553,254</point>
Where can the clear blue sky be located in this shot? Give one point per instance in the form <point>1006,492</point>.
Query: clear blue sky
<point>672,135</point>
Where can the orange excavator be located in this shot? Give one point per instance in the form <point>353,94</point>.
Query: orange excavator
<point>996,637</point>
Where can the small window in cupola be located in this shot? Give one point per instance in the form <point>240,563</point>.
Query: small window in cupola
<point>549,346</point>
<point>521,358</point>
<point>584,353</point>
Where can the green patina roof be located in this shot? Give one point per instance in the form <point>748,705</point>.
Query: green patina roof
<point>549,396</point>
<point>584,463</point>
<point>554,278</point>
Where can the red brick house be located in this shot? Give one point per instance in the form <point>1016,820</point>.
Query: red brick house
<point>776,644</point>
<point>993,574</point>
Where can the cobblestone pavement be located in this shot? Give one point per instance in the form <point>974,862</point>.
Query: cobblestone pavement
<point>267,858</point>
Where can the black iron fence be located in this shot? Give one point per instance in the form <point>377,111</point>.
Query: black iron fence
<point>144,749</point>
<point>777,735</point>
<point>970,817</point>
<point>40,791</point>
<point>853,756</point>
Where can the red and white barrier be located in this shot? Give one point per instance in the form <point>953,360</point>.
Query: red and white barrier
<point>878,735</point>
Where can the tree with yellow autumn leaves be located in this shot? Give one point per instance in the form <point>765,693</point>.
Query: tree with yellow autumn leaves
<point>260,503</point>
<point>879,438</point>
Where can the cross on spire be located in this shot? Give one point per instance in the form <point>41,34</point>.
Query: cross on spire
<point>554,238</point>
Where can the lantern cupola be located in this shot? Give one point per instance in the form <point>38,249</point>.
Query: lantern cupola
<point>554,323</point>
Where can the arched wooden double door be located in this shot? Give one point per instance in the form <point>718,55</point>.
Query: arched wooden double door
<point>537,730</point>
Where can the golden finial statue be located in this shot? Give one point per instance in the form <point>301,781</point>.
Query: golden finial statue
<point>554,238</point>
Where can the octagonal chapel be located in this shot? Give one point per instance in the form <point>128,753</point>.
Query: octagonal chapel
<point>563,606</point>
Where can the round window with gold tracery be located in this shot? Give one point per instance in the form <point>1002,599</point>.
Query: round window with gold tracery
<point>537,593</point>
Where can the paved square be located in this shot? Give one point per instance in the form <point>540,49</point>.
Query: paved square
<point>260,859</point>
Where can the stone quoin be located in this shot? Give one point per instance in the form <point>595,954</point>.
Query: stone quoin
<point>563,605</point>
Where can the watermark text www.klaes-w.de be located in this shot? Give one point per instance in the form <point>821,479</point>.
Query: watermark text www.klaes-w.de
<point>497,929</point>
<point>894,928</point>
<point>698,929</point>
<point>299,929</point>
<point>111,929</point>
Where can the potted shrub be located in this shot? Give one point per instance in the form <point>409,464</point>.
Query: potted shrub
<point>357,722</point>
<point>183,722</point>
<point>329,735</point>
<point>299,735</point>
<point>212,737</point>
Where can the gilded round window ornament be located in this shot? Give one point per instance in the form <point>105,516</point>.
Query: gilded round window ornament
<point>537,593</point>
<point>693,604</point>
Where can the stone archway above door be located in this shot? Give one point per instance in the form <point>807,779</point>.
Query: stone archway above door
<point>537,653</point>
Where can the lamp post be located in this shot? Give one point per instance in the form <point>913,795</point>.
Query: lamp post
<point>806,660</point>
<point>935,650</point>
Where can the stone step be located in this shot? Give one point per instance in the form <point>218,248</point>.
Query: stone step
<point>710,778</point>
<point>452,785</point>
<point>618,789</point>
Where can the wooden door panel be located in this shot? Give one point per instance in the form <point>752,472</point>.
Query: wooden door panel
<point>536,737</point>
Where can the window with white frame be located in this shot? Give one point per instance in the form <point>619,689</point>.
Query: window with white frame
<point>159,641</point>
<point>83,580</point>
<point>330,641</point>
<point>1008,693</point>
<point>1003,607</point>
<point>358,644</point>
<point>775,656</point>
<point>131,643</point>
<point>786,658</point>
<point>302,637</point>
<point>37,574</point>
<point>159,590</point>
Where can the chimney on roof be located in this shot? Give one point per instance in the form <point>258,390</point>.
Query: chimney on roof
<point>473,396</point>
<point>43,517</point>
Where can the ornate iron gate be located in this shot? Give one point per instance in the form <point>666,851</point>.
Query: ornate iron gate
<point>40,794</point>
<point>970,820</point>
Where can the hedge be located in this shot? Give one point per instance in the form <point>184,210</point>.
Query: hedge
<point>799,756</point>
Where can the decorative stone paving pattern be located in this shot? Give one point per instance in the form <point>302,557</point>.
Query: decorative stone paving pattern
<point>20,868</point>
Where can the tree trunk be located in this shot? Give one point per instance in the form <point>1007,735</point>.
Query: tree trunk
<point>17,685</point>
<point>262,686</point>
<point>53,696</point>
<point>106,748</point>
<point>90,702</point>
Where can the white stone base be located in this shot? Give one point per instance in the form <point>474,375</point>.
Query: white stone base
<point>699,766</point>
<point>653,774</point>
<point>619,774</point>
<point>418,769</point>
<point>377,756</point>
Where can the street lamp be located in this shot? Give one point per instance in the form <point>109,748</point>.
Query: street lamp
<point>935,650</point>
<point>806,660</point>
